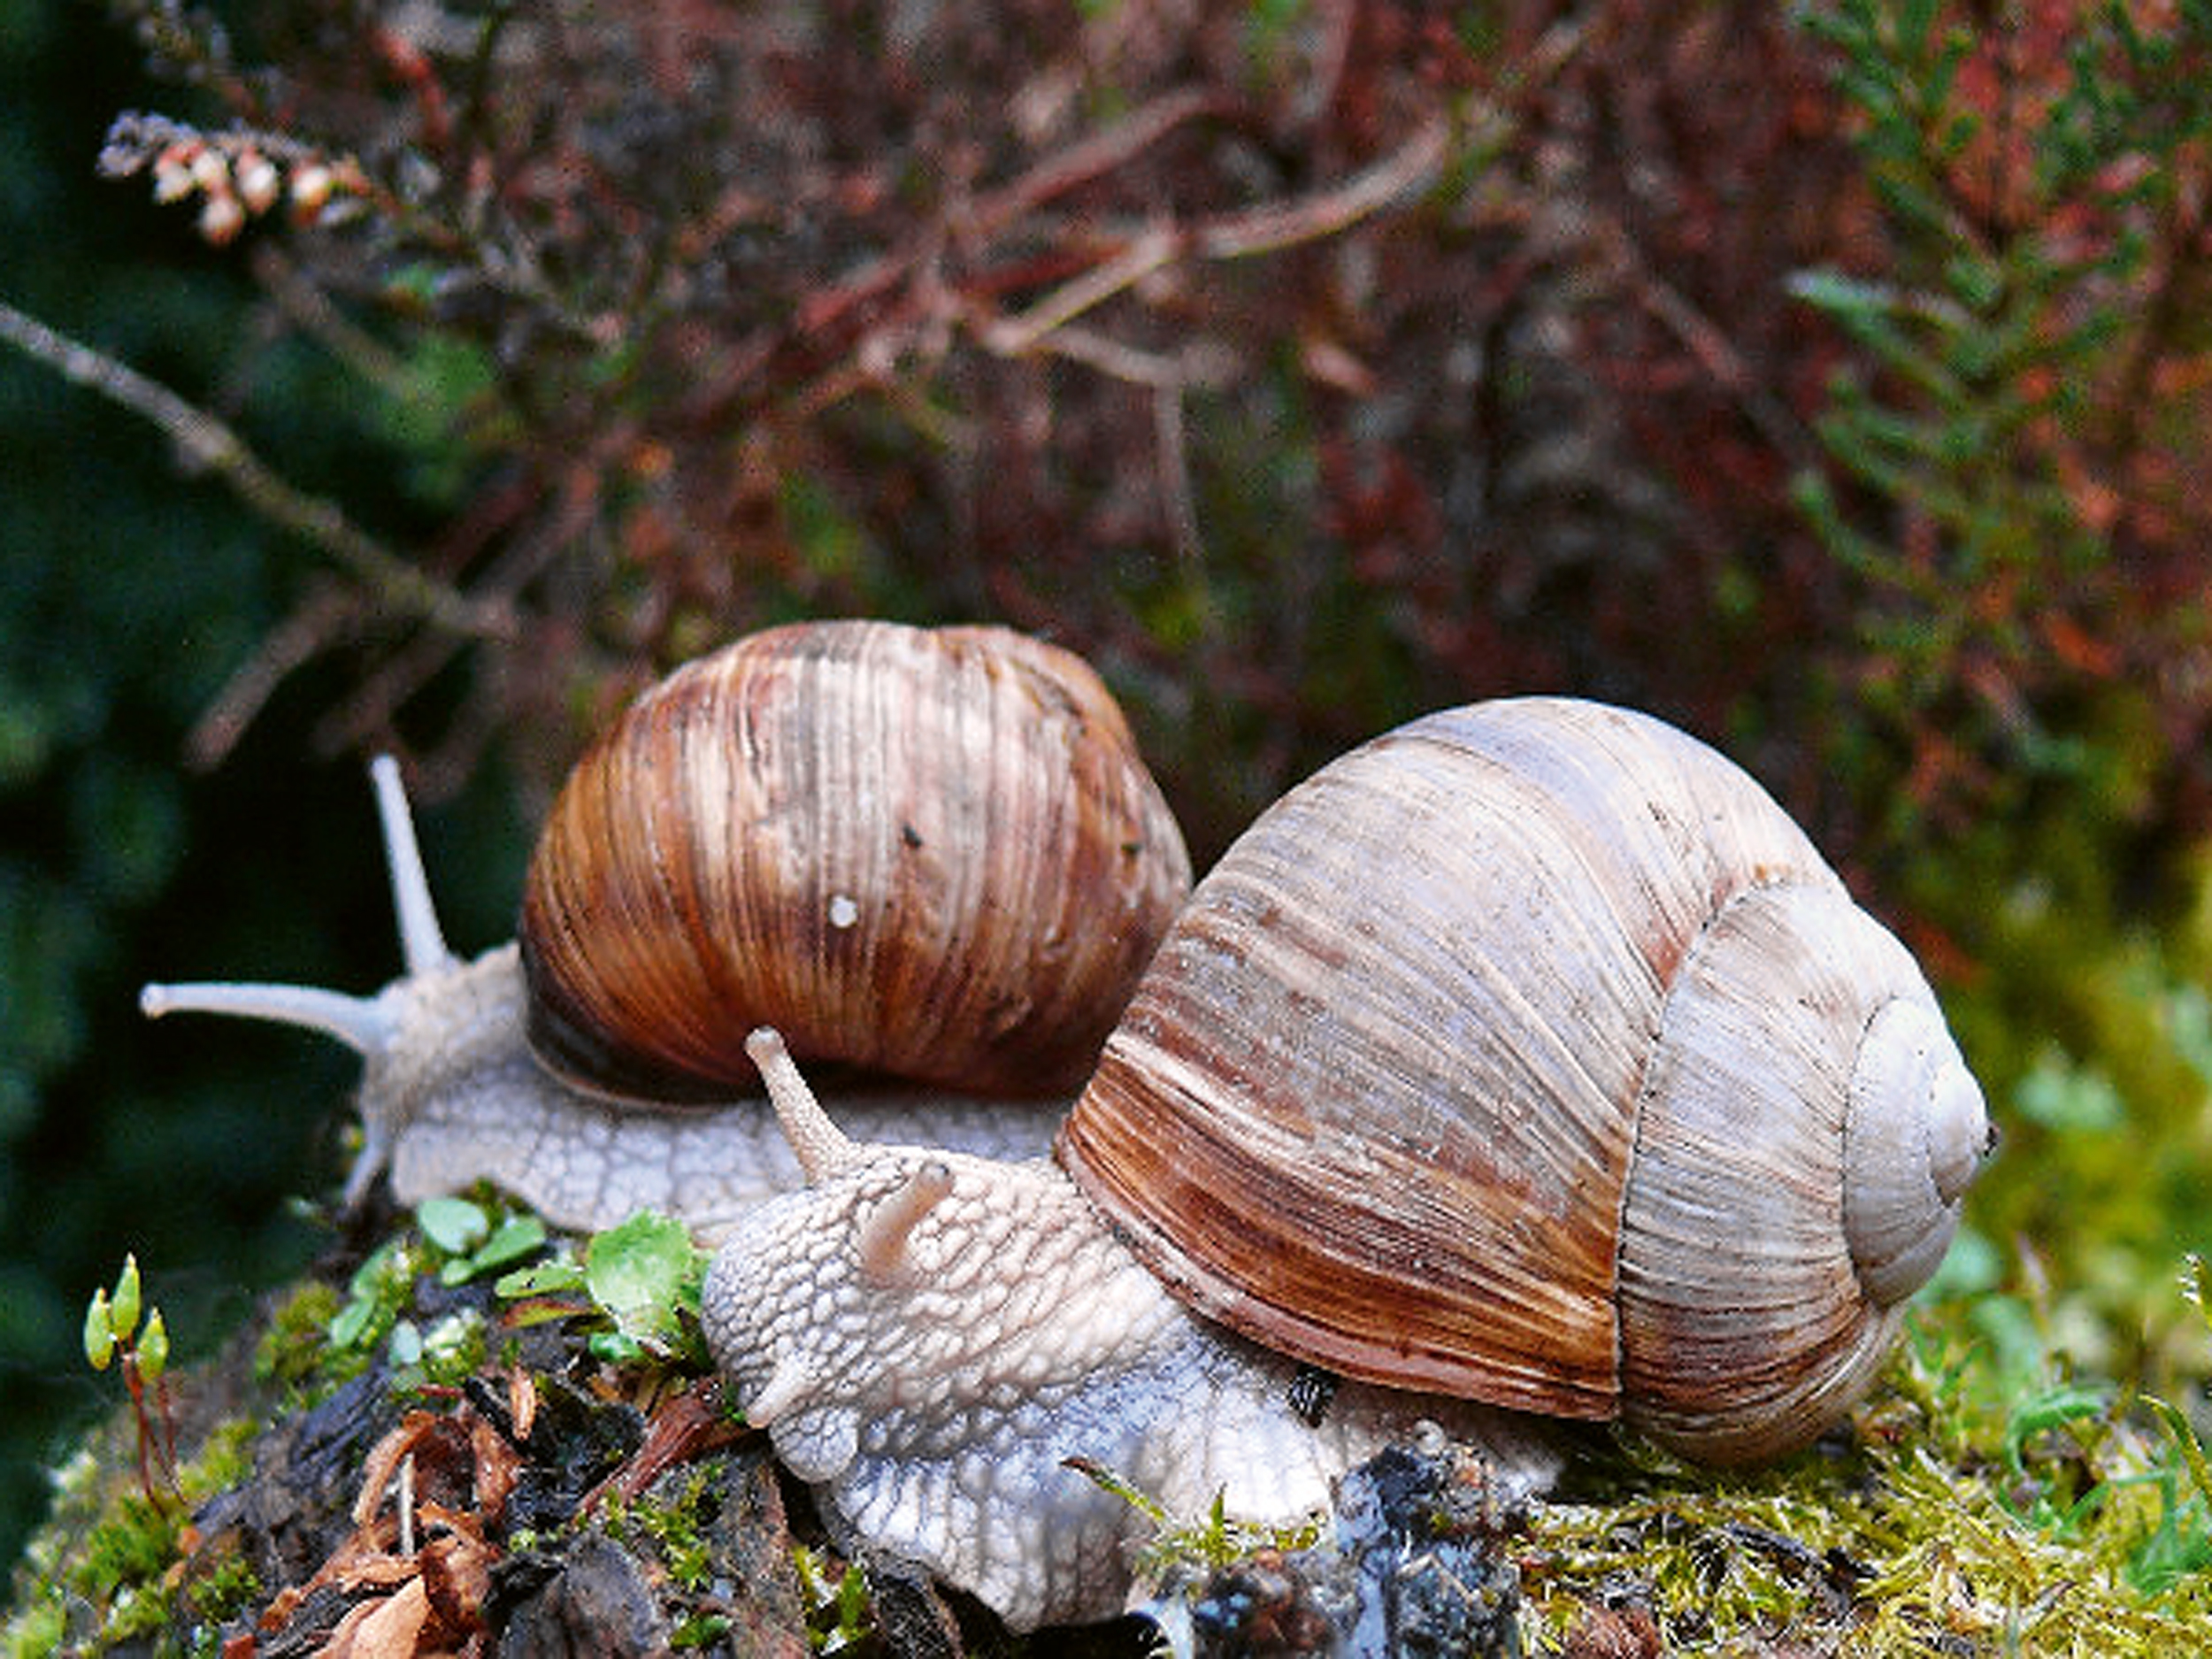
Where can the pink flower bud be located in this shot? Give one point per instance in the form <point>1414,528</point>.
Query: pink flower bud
<point>259,183</point>
<point>310,187</point>
<point>222,218</point>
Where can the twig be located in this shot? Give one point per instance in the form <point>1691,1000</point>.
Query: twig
<point>1327,213</point>
<point>205,442</point>
<point>1091,158</point>
<point>1203,362</point>
<point>1261,230</point>
<point>1148,252</point>
<point>302,302</point>
<point>1705,340</point>
<point>1180,499</point>
<point>283,649</point>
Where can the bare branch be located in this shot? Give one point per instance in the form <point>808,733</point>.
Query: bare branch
<point>1281,225</point>
<point>206,443</point>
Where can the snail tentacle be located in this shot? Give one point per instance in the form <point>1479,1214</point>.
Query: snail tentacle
<point>421,940</point>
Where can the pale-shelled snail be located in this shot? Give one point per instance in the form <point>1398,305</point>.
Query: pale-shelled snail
<point>931,856</point>
<point>1525,1062</point>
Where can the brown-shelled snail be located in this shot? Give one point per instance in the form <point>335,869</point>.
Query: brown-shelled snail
<point>931,856</point>
<point>1527,1061</point>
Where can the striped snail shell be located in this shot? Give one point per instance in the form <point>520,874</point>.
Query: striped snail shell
<point>933,854</point>
<point>1608,1101</point>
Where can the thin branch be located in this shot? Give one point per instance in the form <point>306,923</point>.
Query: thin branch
<point>291,642</point>
<point>1150,251</point>
<point>1093,157</point>
<point>1261,230</point>
<point>1281,225</point>
<point>206,443</point>
<point>1179,496</point>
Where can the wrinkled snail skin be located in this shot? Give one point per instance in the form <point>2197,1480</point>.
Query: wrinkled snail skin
<point>934,854</point>
<point>1606,1103</point>
<point>932,1383</point>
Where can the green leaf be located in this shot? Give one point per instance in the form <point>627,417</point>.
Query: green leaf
<point>613,1348</point>
<point>513,1240</point>
<point>99,1332</point>
<point>645,1272</point>
<point>351,1326</point>
<point>2185,1443</point>
<point>1106,1480</point>
<point>2055,1409</point>
<point>123,1314</point>
<point>560,1277</point>
<point>454,1224</point>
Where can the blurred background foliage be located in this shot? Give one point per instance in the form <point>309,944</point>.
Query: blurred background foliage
<point>1830,379</point>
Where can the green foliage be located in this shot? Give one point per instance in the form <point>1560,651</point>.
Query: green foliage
<point>293,1349</point>
<point>376,1294</point>
<point>676,1521</point>
<point>840,1612</point>
<point>2022,535</point>
<point>113,1332</point>
<point>105,1569</point>
<point>318,1339</point>
<point>2011,437</point>
<point>476,1241</point>
<point>642,1276</point>
<point>1182,1546</point>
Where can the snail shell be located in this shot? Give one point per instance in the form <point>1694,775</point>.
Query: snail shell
<point>1605,1101</point>
<point>928,853</point>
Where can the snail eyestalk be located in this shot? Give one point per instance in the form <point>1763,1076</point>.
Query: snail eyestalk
<point>820,1146</point>
<point>885,1235</point>
<point>421,940</point>
<point>361,1023</point>
<point>369,1025</point>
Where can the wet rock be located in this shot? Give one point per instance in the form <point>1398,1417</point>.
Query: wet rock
<point>1416,1564</point>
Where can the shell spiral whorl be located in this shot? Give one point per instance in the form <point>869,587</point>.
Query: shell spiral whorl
<point>947,831</point>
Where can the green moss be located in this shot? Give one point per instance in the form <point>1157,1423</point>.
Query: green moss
<point>674,1519</point>
<point>700,1630</point>
<point>105,1568</point>
<point>224,1586</point>
<point>37,1628</point>
<point>295,1350</point>
<point>2011,1510</point>
<point>839,1611</point>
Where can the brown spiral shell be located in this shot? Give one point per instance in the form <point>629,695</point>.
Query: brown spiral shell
<point>1532,1054</point>
<point>929,853</point>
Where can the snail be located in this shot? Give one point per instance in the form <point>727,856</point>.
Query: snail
<point>1525,1063</point>
<point>928,855</point>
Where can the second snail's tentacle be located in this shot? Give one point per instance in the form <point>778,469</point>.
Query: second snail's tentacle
<point>421,940</point>
<point>363,1024</point>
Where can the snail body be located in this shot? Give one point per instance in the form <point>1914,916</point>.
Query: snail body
<point>1604,1102</point>
<point>932,855</point>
